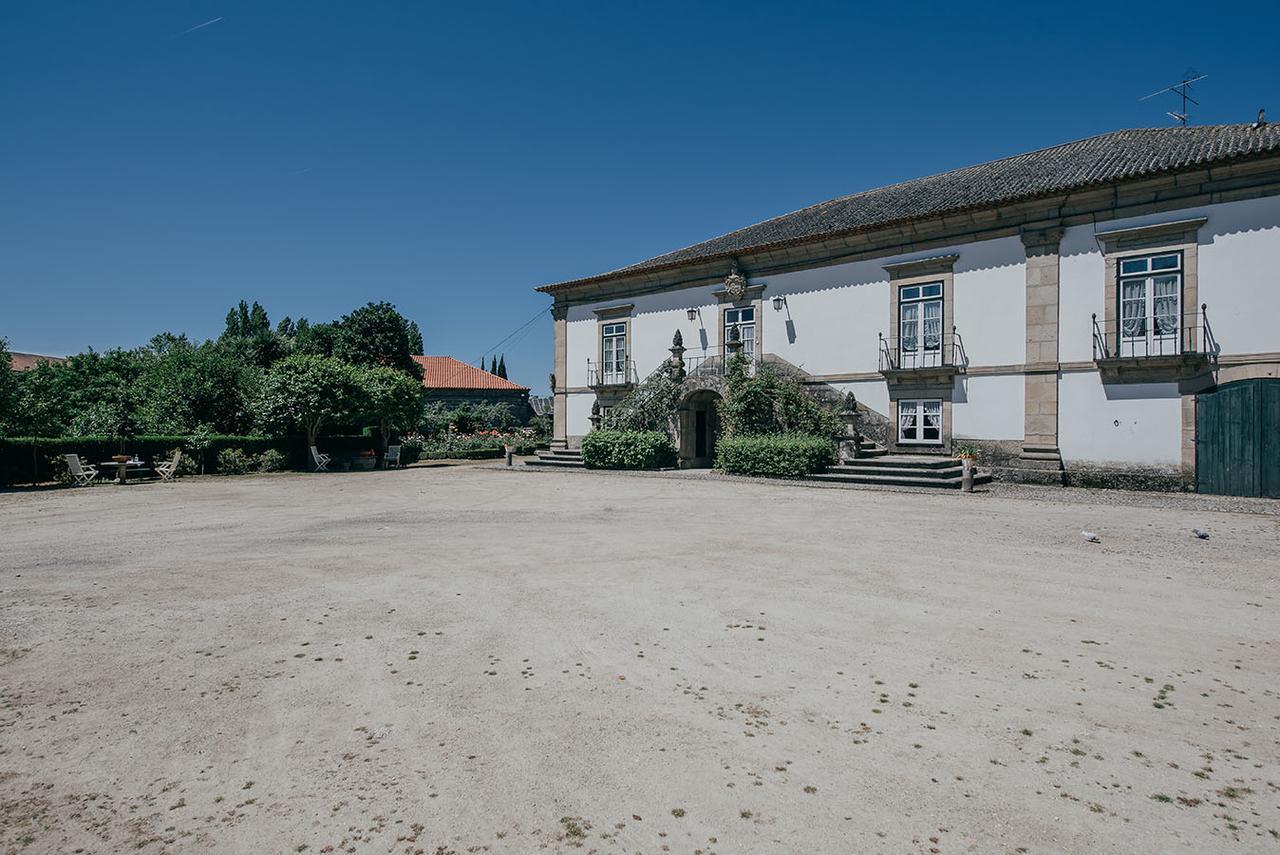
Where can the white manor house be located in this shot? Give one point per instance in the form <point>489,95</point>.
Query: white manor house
<point>1103,311</point>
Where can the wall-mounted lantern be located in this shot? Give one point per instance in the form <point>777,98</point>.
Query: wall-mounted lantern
<point>778,302</point>
<point>693,314</point>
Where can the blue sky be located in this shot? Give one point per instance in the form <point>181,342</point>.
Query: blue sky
<point>449,158</point>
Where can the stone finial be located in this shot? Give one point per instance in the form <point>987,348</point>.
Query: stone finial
<point>595,408</point>
<point>734,333</point>
<point>677,340</point>
<point>850,403</point>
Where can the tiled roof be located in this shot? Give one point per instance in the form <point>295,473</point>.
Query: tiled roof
<point>27,361</point>
<point>445,372</point>
<point>1105,159</point>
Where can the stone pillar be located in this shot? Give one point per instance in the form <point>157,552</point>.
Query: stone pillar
<point>851,443</point>
<point>1040,459</point>
<point>1040,425</point>
<point>560,362</point>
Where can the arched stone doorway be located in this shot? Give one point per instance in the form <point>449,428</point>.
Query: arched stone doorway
<point>699,427</point>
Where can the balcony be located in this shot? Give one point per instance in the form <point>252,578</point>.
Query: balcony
<point>916,364</point>
<point>611,375</point>
<point>1163,348</point>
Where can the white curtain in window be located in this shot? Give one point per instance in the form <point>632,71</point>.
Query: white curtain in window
<point>1165,305</point>
<point>910,327</point>
<point>932,325</point>
<point>1133,308</point>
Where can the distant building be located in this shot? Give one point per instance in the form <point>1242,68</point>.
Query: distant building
<point>27,361</point>
<point>454,383</point>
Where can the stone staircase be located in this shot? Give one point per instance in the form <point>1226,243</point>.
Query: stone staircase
<point>899,470</point>
<point>562,458</point>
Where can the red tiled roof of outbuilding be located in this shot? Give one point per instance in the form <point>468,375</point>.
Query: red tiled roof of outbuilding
<point>445,372</point>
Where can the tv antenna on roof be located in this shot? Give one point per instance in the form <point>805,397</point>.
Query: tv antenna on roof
<point>1182,90</point>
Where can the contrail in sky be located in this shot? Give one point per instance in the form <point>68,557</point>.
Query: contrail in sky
<point>200,26</point>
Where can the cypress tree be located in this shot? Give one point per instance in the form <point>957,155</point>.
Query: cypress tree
<point>502,367</point>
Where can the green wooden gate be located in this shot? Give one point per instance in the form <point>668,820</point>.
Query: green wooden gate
<point>1238,439</point>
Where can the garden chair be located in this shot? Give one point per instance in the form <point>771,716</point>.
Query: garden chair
<point>167,469</point>
<point>82,474</point>
<point>392,457</point>
<point>321,460</point>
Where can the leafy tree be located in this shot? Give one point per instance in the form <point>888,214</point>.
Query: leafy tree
<point>185,386</point>
<point>248,332</point>
<point>307,393</point>
<point>390,399</point>
<point>8,388</point>
<point>314,339</point>
<point>377,334</point>
<point>502,367</point>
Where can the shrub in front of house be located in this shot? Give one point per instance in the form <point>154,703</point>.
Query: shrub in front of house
<point>628,449</point>
<point>272,460</point>
<point>788,455</point>
<point>236,461</point>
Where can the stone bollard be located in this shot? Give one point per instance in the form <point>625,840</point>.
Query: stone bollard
<point>511,453</point>
<point>966,477</point>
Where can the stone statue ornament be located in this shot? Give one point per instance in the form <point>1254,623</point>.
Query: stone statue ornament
<point>850,403</point>
<point>676,364</point>
<point>735,284</point>
<point>595,417</point>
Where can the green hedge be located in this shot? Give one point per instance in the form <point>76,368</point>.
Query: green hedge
<point>781,455</point>
<point>627,449</point>
<point>27,460</point>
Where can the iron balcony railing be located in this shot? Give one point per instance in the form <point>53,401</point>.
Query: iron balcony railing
<point>715,363</point>
<point>615,373</point>
<point>1187,334</point>
<point>922,353</point>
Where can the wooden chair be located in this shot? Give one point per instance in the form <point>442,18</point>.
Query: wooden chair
<point>321,460</point>
<point>168,468</point>
<point>82,474</point>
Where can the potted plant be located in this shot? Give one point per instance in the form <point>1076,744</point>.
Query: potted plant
<point>967,452</point>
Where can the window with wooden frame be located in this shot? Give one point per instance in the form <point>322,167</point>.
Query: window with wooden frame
<point>920,421</point>
<point>1150,310</point>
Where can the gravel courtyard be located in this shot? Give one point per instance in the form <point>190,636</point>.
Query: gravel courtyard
<point>475,659</point>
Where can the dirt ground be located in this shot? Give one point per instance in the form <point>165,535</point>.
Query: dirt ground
<point>472,659</point>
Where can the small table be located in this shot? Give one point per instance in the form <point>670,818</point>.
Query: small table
<point>124,468</point>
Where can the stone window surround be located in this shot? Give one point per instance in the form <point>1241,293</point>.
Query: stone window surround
<point>752,297</point>
<point>612,315</point>
<point>924,271</point>
<point>918,394</point>
<point>1178,236</point>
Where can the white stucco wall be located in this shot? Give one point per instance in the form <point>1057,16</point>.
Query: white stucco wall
<point>987,407</point>
<point>1239,275</point>
<point>578,413</point>
<point>1119,422</point>
<point>990,301</point>
<point>831,319</point>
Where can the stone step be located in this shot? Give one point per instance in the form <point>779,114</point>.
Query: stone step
<point>906,461</point>
<point>559,462</point>
<point>903,479</point>
<point>934,472</point>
